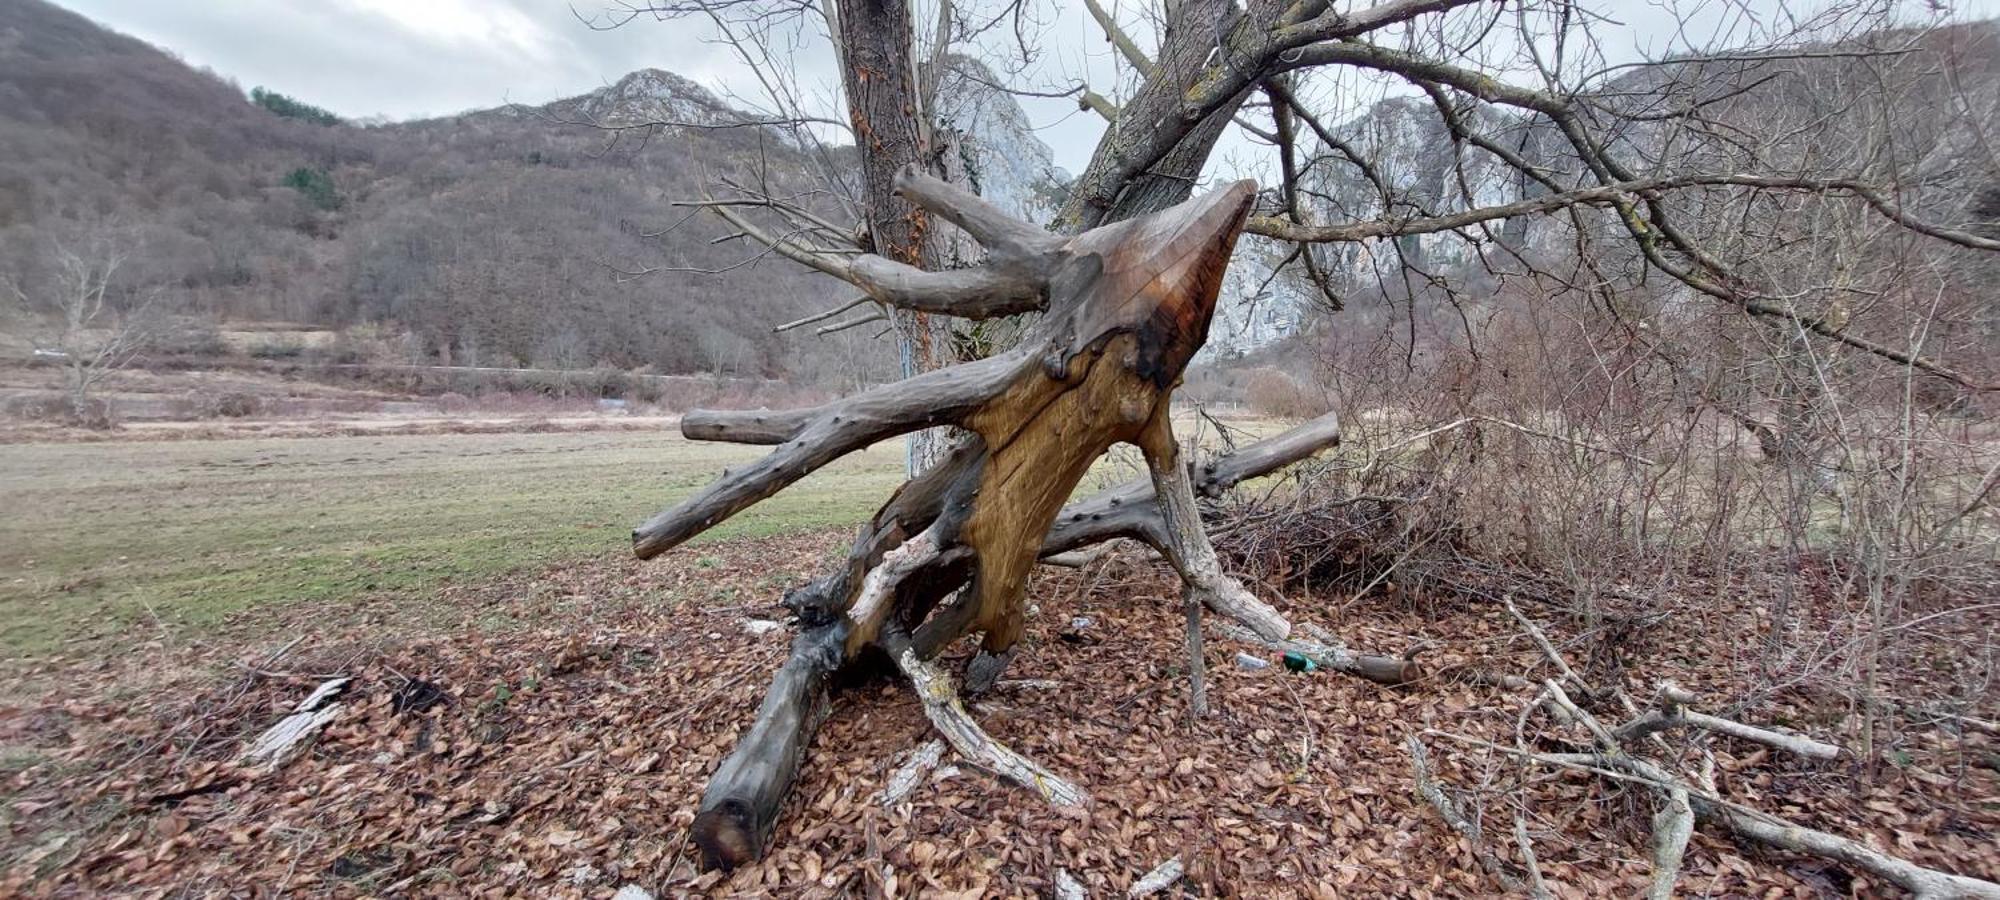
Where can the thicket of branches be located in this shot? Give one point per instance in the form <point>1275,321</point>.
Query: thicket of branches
<point>1803,387</point>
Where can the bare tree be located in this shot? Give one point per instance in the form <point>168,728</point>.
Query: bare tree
<point>89,326</point>
<point>1642,165</point>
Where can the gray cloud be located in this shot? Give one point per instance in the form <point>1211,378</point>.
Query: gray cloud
<point>416,58</point>
<point>360,59</point>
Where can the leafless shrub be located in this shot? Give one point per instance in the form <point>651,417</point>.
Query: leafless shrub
<point>1839,513</point>
<point>238,404</point>
<point>96,414</point>
<point>1275,393</point>
<point>453,402</point>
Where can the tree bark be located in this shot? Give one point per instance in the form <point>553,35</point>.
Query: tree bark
<point>741,803</point>
<point>877,39</point>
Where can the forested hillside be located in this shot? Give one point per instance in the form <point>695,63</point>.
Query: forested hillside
<point>511,236</point>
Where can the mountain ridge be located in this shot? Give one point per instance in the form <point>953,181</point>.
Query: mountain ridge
<point>513,235</point>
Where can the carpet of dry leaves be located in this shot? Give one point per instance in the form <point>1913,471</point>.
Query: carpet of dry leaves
<point>564,758</point>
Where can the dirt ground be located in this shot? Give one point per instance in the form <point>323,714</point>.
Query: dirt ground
<point>564,756</point>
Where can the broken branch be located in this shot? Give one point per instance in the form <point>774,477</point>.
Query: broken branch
<point>1428,789</point>
<point>943,707</point>
<point>812,439</point>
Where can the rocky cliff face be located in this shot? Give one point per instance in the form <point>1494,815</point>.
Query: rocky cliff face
<point>1003,159</point>
<point>1416,169</point>
<point>1257,308</point>
<point>1913,117</point>
<point>650,95</point>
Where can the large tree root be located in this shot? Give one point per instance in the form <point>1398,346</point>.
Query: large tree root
<point>1126,307</point>
<point>741,804</point>
<point>943,707</point>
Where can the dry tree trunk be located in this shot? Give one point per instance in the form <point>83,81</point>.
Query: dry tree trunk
<point>1127,305</point>
<point>880,82</point>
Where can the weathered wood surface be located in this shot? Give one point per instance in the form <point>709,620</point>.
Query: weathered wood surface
<point>1129,511</point>
<point>282,741</point>
<point>744,795</point>
<point>943,707</point>
<point>1126,306</point>
<point>813,438</point>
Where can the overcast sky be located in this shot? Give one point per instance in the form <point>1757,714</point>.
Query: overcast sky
<point>416,58</point>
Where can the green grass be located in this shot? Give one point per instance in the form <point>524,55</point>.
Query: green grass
<point>100,538</point>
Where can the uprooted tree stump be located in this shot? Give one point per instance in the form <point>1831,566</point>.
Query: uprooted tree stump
<point>1125,307</point>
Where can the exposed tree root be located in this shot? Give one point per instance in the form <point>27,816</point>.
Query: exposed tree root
<point>948,714</point>
<point>1126,307</point>
<point>1187,545</point>
<point>741,804</point>
<point>911,773</point>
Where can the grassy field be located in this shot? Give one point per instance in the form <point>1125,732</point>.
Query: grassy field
<point>99,538</point>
